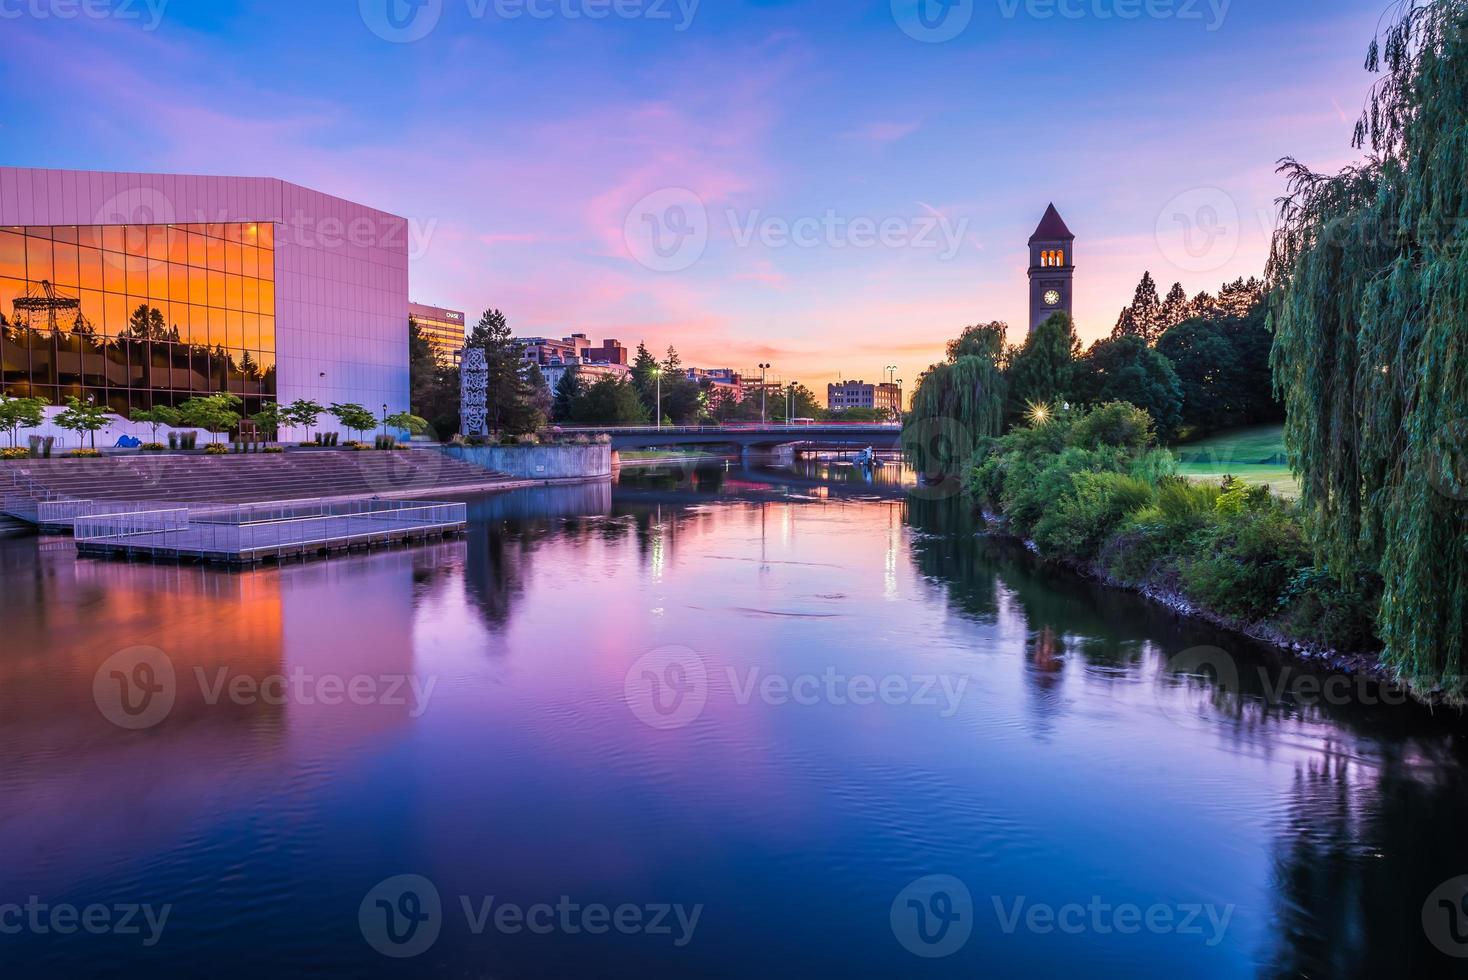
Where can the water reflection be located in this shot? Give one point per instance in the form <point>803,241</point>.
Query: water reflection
<point>1081,760</point>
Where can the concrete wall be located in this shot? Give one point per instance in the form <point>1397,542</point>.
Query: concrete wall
<point>540,462</point>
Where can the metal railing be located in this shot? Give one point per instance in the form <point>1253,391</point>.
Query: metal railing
<point>736,427</point>
<point>131,524</point>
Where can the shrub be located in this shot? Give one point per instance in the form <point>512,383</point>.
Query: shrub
<point>84,454</point>
<point>153,447</point>
<point>274,449</point>
<point>1316,606</point>
<point>15,452</point>
<point>216,449</point>
<point>1076,523</point>
<point>1245,561</point>
<point>1119,424</point>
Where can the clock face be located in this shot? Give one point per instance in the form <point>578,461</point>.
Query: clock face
<point>1052,297</point>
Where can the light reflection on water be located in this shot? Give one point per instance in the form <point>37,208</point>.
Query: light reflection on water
<point>1070,764</point>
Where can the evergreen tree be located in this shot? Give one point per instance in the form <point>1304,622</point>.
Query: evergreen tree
<point>1040,371</point>
<point>1143,317</point>
<point>568,389</point>
<point>510,406</point>
<point>1125,369</point>
<point>1175,309</point>
<point>1370,348</point>
<point>609,401</point>
<point>645,370</point>
<point>433,384</point>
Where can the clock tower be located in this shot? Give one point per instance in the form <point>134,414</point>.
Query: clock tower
<point>1052,268</point>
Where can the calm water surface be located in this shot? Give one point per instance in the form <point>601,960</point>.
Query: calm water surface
<point>774,699</point>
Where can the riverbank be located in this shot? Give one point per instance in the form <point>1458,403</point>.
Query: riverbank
<point>1315,655</point>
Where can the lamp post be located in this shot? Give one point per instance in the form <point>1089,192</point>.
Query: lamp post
<point>384,418</point>
<point>657,374</point>
<point>762,369</point>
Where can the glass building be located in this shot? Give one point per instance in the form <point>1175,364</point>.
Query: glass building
<point>443,329</point>
<point>142,315</point>
<point>149,289</point>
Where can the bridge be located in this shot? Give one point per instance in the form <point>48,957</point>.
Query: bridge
<point>879,435</point>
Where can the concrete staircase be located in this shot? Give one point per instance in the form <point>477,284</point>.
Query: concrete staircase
<point>113,483</point>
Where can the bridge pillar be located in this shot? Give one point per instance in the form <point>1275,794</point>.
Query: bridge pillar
<point>783,455</point>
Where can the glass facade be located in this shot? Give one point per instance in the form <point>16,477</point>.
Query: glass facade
<point>443,329</point>
<point>144,315</point>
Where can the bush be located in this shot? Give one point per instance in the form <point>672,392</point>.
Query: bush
<point>152,447</point>
<point>84,454</point>
<point>1245,561</point>
<point>1120,424</point>
<point>15,452</point>
<point>1316,606</point>
<point>1076,523</point>
<point>274,450</point>
<point>216,449</point>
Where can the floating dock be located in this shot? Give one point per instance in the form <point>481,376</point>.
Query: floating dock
<point>251,533</point>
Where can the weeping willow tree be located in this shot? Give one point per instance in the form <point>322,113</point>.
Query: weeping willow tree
<point>958,403</point>
<point>1371,342</point>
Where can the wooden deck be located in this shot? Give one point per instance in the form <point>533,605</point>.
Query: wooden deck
<point>249,535</point>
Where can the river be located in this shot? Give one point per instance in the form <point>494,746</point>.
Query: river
<point>704,722</point>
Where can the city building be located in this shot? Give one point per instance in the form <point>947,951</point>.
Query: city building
<point>556,357</point>
<point>859,394</point>
<point>1052,268</point>
<point>724,380</point>
<point>443,329</point>
<point>135,290</point>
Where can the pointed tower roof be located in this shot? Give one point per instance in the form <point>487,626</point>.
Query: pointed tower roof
<point>1052,228</point>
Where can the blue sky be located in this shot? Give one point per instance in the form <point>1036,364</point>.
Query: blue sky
<point>847,195</point>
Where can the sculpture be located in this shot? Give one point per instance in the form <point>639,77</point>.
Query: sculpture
<point>473,392</point>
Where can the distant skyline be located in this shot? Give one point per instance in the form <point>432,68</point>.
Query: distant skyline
<point>835,190</point>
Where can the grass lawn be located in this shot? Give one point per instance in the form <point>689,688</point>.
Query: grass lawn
<point>1255,455</point>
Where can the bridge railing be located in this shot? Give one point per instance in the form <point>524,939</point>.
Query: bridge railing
<point>738,427</point>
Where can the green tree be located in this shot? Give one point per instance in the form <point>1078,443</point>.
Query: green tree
<point>1143,318</point>
<point>568,389</point>
<point>1040,371</point>
<point>510,404</point>
<point>610,401</point>
<point>1371,351</point>
<point>407,422</point>
<point>353,417</point>
<point>154,417</point>
<point>804,402</point>
<point>1125,369</point>
<point>303,413</point>
<point>958,403</point>
<point>217,413</point>
<point>645,372</point>
<point>83,417</point>
<point>20,413</point>
<point>1207,368</point>
<point>433,383</point>
<point>267,420</point>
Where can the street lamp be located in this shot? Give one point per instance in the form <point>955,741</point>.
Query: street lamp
<point>657,374</point>
<point>762,369</point>
<point>384,418</point>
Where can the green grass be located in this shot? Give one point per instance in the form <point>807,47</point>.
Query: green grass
<point>1254,454</point>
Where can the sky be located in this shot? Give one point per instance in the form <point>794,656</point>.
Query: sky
<point>831,187</point>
